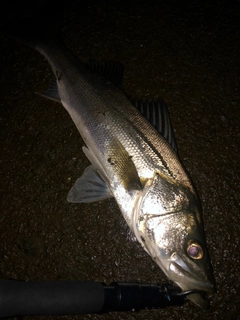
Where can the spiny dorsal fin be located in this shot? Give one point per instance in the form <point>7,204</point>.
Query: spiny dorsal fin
<point>156,112</point>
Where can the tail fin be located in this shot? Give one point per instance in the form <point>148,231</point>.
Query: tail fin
<point>44,24</point>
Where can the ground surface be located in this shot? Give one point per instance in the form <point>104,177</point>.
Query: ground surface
<point>187,54</point>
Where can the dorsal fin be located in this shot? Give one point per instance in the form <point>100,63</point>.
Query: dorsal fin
<point>156,112</point>
<point>111,70</point>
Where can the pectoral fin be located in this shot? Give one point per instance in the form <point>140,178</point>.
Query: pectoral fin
<point>90,187</point>
<point>123,166</point>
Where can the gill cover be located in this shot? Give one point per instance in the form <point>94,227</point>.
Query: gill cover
<point>168,225</point>
<point>161,200</point>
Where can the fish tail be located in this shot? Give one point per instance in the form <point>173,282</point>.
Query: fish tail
<point>34,30</point>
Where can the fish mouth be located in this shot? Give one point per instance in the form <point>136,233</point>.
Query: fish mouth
<point>180,274</point>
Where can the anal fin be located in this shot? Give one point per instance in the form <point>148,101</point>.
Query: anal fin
<point>51,92</point>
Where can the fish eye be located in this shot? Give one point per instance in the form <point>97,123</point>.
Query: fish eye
<point>194,250</point>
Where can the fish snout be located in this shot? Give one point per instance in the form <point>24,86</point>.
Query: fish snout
<point>189,280</point>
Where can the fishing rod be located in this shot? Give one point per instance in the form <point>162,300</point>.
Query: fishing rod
<point>21,298</point>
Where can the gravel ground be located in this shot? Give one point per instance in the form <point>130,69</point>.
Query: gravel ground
<point>186,53</point>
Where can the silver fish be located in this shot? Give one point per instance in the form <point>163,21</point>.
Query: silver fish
<point>132,162</point>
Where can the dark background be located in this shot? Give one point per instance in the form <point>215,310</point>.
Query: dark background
<point>185,52</point>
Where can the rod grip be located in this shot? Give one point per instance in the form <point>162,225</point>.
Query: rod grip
<point>50,298</point>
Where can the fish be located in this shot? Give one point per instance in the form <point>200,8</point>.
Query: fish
<point>133,154</point>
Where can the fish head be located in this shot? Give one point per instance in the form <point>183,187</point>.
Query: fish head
<point>168,224</point>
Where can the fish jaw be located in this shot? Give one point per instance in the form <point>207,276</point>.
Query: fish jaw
<point>166,221</point>
<point>186,280</point>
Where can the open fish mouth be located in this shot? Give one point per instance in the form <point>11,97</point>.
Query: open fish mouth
<point>187,281</point>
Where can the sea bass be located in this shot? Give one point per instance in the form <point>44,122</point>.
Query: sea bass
<point>133,158</point>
